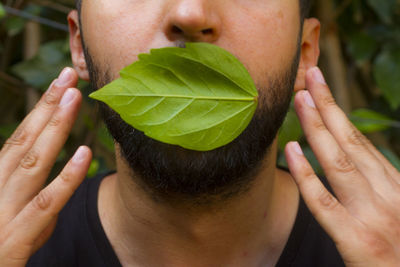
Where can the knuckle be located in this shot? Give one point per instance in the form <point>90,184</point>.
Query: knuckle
<point>355,138</point>
<point>344,165</point>
<point>376,245</point>
<point>308,173</point>
<point>42,201</point>
<point>328,101</point>
<point>30,160</point>
<point>319,125</point>
<point>19,138</point>
<point>65,177</point>
<point>327,201</point>
<point>55,121</point>
<point>306,180</point>
<point>365,140</point>
<point>50,99</point>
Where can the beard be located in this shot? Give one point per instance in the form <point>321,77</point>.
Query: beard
<point>169,173</point>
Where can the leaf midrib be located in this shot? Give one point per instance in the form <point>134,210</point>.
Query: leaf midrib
<point>243,99</point>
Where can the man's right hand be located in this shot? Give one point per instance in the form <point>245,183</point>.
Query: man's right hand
<point>28,213</point>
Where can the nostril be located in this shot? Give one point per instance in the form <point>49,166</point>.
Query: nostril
<point>207,31</point>
<point>176,29</point>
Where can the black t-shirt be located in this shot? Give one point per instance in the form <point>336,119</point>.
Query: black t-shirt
<point>79,238</point>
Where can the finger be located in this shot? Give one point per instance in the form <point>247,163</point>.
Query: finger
<point>348,137</point>
<point>25,135</point>
<point>34,168</point>
<point>40,212</point>
<point>327,210</point>
<point>341,172</point>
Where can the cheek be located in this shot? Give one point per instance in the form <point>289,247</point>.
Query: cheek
<point>266,42</point>
<point>115,35</point>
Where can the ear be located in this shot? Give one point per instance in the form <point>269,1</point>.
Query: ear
<point>309,51</point>
<point>75,43</point>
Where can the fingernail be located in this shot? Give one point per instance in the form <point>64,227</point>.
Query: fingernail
<point>308,99</point>
<point>296,148</point>
<point>79,155</point>
<point>64,77</point>
<point>317,75</point>
<point>68,96</point>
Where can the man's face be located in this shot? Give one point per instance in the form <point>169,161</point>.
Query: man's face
<point>263,34</point>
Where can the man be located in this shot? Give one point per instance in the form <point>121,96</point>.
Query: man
<point>166,206</point>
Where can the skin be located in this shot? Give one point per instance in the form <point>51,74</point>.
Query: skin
<point>249,231</point>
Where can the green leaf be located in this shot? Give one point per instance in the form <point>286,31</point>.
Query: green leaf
<point>384,9</point>
<point>2,11</point>
<point>387,75</point>
<point>199,97</point>
<point>369,121</point>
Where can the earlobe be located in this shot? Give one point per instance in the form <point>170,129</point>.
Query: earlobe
<point>309,51</point>
<point>300,83</point>
<point>75,42</point>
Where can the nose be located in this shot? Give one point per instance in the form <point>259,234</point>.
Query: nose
<point>193,21</point>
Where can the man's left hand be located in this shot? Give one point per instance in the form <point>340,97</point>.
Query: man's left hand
<point>363,218</point>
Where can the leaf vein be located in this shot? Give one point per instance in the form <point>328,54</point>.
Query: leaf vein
<point>215,70</point>
<point>217,123</point>
<point>172,116</point>
<point>148,108</point>
<point>176,75</point>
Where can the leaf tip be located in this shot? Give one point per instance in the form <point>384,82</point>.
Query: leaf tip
<point>93,95</point>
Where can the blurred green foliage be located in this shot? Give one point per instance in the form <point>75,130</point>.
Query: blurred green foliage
<point>40,71</point>
<point>369,32</point>
<point>2,11</point>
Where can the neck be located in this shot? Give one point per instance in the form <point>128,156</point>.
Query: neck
<point>248,230</point>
